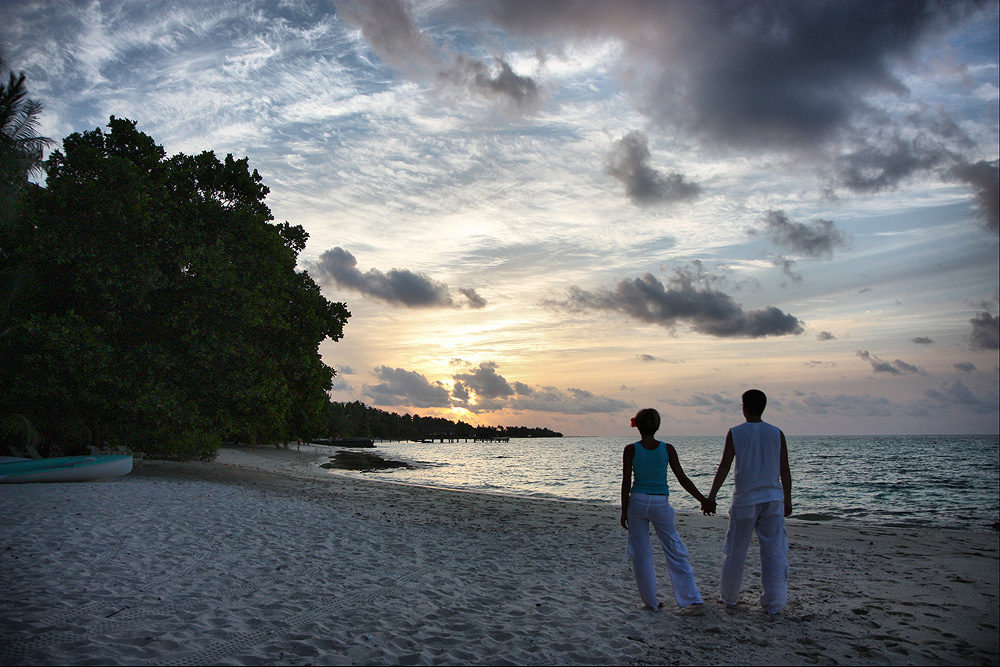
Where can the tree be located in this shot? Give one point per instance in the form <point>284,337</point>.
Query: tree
<point>20,145</point>
<point>169,313</point>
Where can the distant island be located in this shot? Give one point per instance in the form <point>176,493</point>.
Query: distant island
<point>357,420</point>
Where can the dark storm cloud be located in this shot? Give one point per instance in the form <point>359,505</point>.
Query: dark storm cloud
<point>965,367</point>
<point>399,286</point>
<point>485,381</point>
<point>390,29</point>
<point>984,177</point>
<point>882,164</point>
<point>749,73</point>
<point>897,367</point>
<point>985,332</point>
<point>628,161</point>
<point>818,239</point>
<point>921,340</point>
<point>402,387</point>
<point>705,310</point>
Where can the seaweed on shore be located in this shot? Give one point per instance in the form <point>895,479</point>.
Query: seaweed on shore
<point>362,461</point>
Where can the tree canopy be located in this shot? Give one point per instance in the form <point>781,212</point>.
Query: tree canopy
<point>159,306</point>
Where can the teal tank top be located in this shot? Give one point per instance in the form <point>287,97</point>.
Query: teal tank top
<point>649,469</point>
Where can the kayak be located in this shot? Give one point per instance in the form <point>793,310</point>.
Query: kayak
<point>64,468</point>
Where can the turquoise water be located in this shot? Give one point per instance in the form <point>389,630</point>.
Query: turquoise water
<point>941,481</point>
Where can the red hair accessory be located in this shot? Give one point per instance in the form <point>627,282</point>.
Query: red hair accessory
<point>633,422</point>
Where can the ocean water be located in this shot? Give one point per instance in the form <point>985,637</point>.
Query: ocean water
<point>940,481</point>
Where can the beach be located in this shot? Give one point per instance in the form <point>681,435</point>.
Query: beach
<point>262,557</point>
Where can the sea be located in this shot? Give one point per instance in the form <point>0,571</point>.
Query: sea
<point>903,481</point>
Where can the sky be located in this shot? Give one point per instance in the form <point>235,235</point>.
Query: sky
<point>554,214</point>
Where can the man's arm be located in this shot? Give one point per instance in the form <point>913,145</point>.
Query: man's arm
<point>728,454</point>
<point>627,455</point>
<point>786,476</point>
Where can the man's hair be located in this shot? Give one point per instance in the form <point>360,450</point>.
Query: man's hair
<point>647,421</point>
<point>754,401</point>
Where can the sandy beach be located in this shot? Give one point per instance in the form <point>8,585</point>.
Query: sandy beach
<point>261,557</point>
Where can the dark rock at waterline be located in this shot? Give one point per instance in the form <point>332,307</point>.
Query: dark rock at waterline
<point>344,442</point>
<point>362,461</point>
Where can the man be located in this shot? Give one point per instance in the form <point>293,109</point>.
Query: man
<point>762,498</point>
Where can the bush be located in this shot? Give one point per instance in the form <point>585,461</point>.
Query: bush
<point>185,445</point>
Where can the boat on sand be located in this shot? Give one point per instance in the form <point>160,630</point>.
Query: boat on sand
<point>64,468</point>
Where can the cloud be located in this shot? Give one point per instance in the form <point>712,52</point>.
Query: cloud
<point>787,267</point>
<point>398,286</point>
<point>965,367</point>
<point>390,29</point>
<point>817,240</point>
<point>825,335</point>
<point>705,403</point>
<point>572,401</point>
<point>475,301</point>
<point>897,367</point>
<point>984,177</point>
<point>705,310</point>
<point>628,161</point>
<point>815,363</point>
<point>485,381</point>
<point>648,359</point>
<point>402,387</point>
<point>883,163</point>
<point>957,393</point>
<point>922,340</point>
<point>843,404</point>
<point>748,73</point>
<point>985,332</point>
<point>344,369</point>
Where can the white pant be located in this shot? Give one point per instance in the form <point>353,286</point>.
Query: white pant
<point>643,509</point>
<point>768,520</point>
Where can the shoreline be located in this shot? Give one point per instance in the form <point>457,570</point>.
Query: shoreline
<point>263,557</point>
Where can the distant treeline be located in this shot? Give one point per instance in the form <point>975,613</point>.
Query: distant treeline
<point>357,420</point>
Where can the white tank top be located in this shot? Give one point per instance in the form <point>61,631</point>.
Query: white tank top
<point>758,463</point>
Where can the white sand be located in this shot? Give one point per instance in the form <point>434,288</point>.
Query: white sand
<point>262,558</point>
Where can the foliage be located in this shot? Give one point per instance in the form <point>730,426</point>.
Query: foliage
<point>20,145</point>
<point>162,307</point>
<point>359,420</point>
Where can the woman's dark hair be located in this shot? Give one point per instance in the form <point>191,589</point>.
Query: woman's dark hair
<point>647,421</point>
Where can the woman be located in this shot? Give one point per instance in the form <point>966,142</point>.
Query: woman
<point>645,500</point>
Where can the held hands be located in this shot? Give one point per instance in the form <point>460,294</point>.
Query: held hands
<point>708,506</point>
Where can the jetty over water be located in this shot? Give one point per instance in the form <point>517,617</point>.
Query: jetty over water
<point>464,437</point>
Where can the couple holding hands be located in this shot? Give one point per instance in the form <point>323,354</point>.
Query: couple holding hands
<point>762,498</point>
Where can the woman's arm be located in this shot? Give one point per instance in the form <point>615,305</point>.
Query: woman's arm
<point>627,455</point>
<point>687,484</point>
